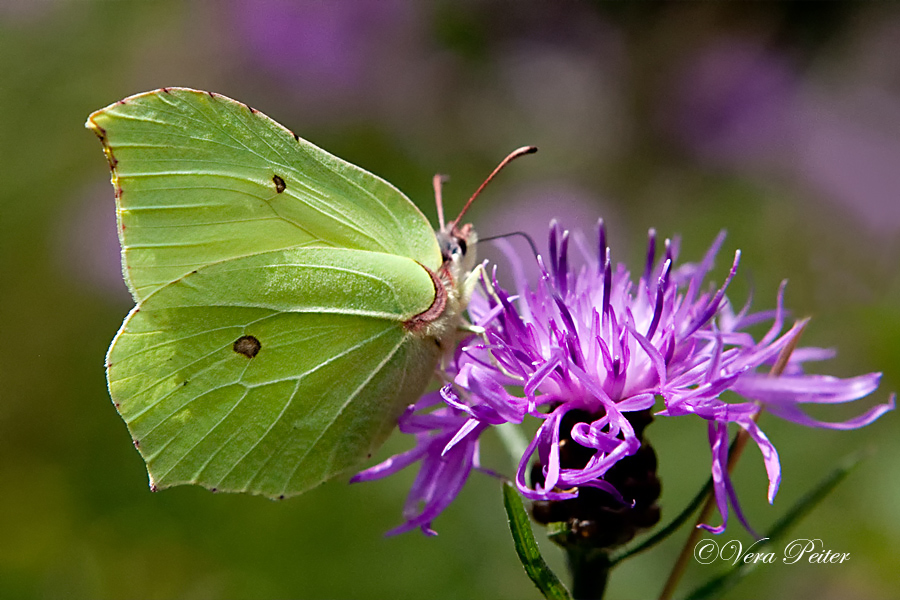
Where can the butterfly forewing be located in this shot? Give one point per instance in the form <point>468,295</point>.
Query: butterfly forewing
<point>201,178</point>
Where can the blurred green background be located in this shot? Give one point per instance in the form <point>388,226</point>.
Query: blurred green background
<point>777,122</point>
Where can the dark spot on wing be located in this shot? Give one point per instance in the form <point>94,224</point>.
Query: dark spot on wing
<point>279,183</point>
<point>153,487</point>
<point>281,497</point>
<point>247,345</point>
<point>296,137</point>
<point>213,490</point>
<point>137,443</point>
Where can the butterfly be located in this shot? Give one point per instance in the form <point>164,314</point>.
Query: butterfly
<point>289,304</point>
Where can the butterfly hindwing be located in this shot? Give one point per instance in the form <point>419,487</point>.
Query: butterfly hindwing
<point>272,373</point>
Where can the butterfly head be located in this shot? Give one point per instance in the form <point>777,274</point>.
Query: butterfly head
<point>457,246</point>
<point>456,278</point>
<point>457,242</point>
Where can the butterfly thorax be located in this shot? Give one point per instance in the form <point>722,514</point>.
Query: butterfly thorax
<point>452,287</point>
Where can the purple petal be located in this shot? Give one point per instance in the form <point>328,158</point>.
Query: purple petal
<point>718,441</point>
<point>391,465</point>
<point>465,430</point>
<point>794,414</point>
<point>770,456</point>
<point>820,389</point>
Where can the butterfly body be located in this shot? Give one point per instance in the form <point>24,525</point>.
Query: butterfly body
<point>289,305</point>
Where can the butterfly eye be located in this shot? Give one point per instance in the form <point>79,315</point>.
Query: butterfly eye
<point>447,244</point>
<point>451,247</point>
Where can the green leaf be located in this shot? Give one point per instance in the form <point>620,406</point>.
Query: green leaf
<point>527,549</point>
<point>716,587</point>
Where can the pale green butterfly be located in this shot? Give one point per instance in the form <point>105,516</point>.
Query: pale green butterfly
<point>289,304</point>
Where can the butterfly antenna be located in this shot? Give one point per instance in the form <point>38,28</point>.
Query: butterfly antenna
<point>512,156</point>
<point>436,182</point>
<point>527,237</point>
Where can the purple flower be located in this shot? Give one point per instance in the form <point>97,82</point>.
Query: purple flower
<point>446,460</point>
<point>587,352</point>
<point>328,53</point>
<point>733,101</point>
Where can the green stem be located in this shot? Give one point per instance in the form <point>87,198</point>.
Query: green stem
<point>590,572</point>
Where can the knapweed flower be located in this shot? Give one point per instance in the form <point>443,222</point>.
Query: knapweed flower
<point>445,464</point>
<point>587,352</point>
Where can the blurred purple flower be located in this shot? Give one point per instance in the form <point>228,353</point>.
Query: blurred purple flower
<point>734,100</point>
<point>849,151</point>
<point>590,349</point>
<point>323,49</point>
<point>27,11</point>
<point>848,146</point>
<point>740,103</point>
